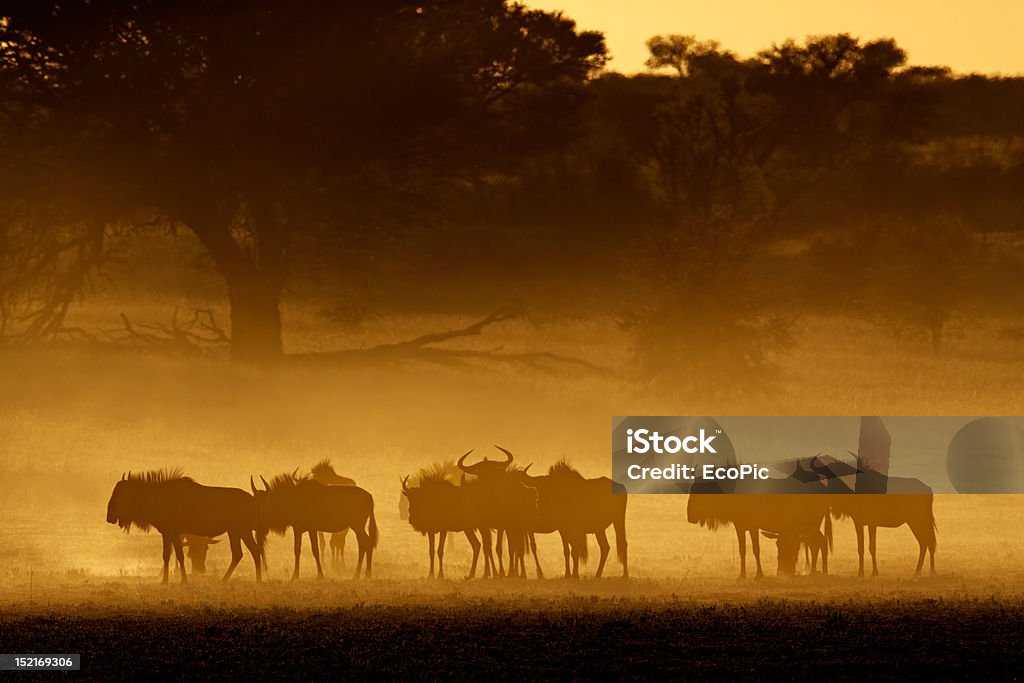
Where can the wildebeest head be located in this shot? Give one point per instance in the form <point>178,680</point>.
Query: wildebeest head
<point>197,548</point>
<point>130,502</point>
<point>274,501</point>
<point>486,468</point>
<point>115,506</point>
<point>789,550</point>
<point>704,504</point>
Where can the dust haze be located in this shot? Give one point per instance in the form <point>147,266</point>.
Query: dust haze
<point>225,249</point>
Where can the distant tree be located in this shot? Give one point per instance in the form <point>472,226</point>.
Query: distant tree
<point>255,125</point>
<point>739,143</point>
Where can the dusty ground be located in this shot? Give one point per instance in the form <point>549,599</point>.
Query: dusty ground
<point>71,423</point>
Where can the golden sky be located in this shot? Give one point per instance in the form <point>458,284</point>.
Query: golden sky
<point>980,36</point>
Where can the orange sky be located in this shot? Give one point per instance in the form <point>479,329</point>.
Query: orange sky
<point>980,36</point>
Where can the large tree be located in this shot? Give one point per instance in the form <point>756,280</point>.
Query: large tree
<point>253,123</point>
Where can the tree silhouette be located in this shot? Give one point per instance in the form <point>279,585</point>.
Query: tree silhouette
<point>253,123</point>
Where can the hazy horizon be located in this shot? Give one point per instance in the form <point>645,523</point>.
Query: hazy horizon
<point>980,41</point>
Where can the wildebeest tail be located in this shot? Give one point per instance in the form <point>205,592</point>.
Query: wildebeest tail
<point>374,534</point>
<point>584,546</point>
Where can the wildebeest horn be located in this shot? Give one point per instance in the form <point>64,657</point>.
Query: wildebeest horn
<point>769,534</point>
<point>122,476</point>
<point>462,463</point>
<point>509,455</point>
<point>252,485</point>
<point>214,541</point>
<point>526,470</point>
<point>265,484</point>
<point>295,474</point>
<point>405,488</point>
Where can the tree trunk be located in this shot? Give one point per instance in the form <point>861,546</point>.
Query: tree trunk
<point>255,318</point>
<point>254,279</point>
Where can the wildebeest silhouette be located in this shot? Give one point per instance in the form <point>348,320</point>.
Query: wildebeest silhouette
<point>324,473</point>
<point>789,545</point>
<point>308,506</point>
<point>779,506</point>
<point>452,472</point>
<point>501,501</point>
<point>906,501</point>
<point>175,504</point>
<point>196,549</point>
<point>575,506</point>
<point>438,506</point>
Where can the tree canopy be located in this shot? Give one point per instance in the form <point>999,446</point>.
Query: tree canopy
<point>245,123</point>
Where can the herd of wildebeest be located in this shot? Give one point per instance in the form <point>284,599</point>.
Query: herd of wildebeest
<point>495,500</point>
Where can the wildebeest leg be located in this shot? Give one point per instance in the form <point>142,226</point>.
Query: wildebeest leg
<point>316,553</point>
<point>574,545</point>
<point>516,553</point>
<point>536,560</point>
<point>621,545</point>
<point>471,537</point>
<point>179,554</point>
<point>236,556</point>
<point>565,553</point>
<point>823,547</point>
<point>321,539</point>
<point>485,538</point>
<point>520,568</point>
<point>602,542</point>
<point>755,545</point>
<point>741,538</point>
<point>920,555</point>
<point>440,554</point>
<point>501,549</point>
<point>365,551</point>
<point>860,547</point>
<point>254,549</point>
<point>167,556</point>
<point>298,551</point>
<point>872,532</point>
<point>342,537</point>
<point>431,534</point>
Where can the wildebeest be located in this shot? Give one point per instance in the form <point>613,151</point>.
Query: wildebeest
<point>770,505</point>
<point>324,473</point>
<point>175,504</point>
<point>574,507</point>
<point>196,549</point>
<point>789,545</point>
<point>501,501</point>
<point>438,506</point>
<point>907,501</point>
<point>308,506</point>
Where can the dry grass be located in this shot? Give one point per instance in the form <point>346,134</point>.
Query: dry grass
<point>72,422</point>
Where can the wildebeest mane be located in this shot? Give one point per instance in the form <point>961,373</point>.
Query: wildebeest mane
<point>435,474</point>
<point>163,475</point>
<point>133,509</point>
<point>286,480</point>
<point>563,468</point>
<point>323,467</point>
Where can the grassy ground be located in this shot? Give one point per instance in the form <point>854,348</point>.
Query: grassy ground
<point>72,421</point>
<point>580,631</point>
